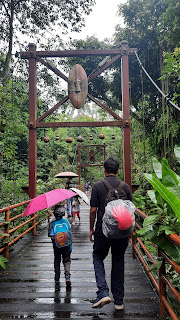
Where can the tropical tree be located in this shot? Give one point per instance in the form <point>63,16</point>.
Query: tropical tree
<point>143,30</point>
<point>171,72</point>
<point>33,18</point>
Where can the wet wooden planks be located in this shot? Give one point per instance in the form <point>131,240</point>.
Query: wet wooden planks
<point>27,289</point>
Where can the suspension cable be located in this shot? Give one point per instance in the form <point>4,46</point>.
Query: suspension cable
<point>162,93</point>
<point>74,157</point>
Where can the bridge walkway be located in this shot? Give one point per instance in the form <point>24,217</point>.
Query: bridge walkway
<point>27,289</point>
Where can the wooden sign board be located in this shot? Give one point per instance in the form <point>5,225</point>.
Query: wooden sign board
<point>77,86</point>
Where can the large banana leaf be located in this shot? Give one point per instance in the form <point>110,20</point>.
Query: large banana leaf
<point>177,152</point>
<point>170,179</point>
<point>152,196</point>
<point>151,233</point>
<point>165,193</point>
<point>157,167</point>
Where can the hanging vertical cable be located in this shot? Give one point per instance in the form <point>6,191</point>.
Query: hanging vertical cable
<point>144,133</point>
<point>12,99</point>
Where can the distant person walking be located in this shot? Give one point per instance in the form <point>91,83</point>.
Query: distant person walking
<point>76,209</point>
<point>69,184</point>
<point>87,187</point>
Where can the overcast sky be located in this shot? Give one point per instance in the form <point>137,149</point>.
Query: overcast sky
<point>102,20</point>
<point>100,23</point>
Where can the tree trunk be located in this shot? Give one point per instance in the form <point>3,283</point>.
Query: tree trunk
<point>9,53</point>
<point>10,16</point>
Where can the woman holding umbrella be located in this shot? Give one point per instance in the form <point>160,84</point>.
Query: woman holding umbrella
<point>69,184</point>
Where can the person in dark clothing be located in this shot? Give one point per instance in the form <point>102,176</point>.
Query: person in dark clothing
<point>63,249</point>
<point>102,244</point>
<point>69,207</point>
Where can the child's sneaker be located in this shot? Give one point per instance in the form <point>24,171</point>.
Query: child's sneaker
<point>73,223</point>
<point>68,281</point>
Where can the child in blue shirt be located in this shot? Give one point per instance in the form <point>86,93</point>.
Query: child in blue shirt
<point>61,236</point>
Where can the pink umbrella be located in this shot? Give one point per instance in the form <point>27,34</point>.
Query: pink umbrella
<point>48,199</point>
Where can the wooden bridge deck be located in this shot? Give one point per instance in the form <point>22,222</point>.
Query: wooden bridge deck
<point>27,289</point>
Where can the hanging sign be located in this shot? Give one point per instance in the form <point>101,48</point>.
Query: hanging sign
<point>77,86</point>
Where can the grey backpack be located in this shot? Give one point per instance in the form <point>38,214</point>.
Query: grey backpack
<point>118,219</point>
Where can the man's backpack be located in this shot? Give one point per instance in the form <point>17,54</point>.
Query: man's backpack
<point>118,219</point>
<point>62,233</point>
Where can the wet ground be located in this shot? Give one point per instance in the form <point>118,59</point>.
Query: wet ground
<point>27,288</point>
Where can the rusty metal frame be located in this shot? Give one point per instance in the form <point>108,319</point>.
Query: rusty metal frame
<point>84,163</point>
<point>32,55</point>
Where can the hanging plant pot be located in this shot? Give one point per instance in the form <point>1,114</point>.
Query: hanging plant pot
<point>101,136</point>
<point>90,137</point>
<point>69,139</point>
<point>46,139</point>
<point>113,137</point>
<point>80,139</point>
<point>57,136</point>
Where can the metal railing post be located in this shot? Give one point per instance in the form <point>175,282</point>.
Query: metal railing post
<point>34,224</point>
<point>133,245</point>
<point>162,287</point>
<point>7,231</point>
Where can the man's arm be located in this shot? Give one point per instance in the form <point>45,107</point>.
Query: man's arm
<point>92,217</point>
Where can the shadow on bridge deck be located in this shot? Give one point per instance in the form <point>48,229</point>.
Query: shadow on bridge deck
<point>27,289</point>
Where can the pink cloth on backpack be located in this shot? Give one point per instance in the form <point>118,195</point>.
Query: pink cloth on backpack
<point>123,216</point>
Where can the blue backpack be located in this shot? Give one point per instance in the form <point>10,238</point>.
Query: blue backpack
<point>62,233</point>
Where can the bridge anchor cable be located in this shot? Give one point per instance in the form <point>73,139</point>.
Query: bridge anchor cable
<point>162,93</point>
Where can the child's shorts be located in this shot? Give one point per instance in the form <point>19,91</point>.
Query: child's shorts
<point>76,212</point>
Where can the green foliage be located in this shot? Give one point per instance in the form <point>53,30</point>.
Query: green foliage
<point>145,22</point>
<point>177,152</point>
<point>165,193</point>
<point>171,73</point>
<point>2,258</point>
<point>169,25</point>
<point>172,64</point>
<point>2,262</point>
<point>166,197</point>
<point>42,15</point>
<point>154,234</point>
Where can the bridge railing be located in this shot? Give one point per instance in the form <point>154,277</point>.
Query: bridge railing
<point>161,282</point>
<point>13,226</point>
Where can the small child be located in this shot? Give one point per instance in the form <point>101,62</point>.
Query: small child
<point>61,236</point>
<point>76,209</point>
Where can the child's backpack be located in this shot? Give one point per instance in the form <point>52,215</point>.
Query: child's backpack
<point>118,219</point>
<point>62,233</point>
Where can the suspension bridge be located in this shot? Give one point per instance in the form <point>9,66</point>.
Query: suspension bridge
<point>28,290</point>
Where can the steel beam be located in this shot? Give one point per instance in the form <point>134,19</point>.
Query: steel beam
<point>126,112</point>
<point>118,123</point>
<point>32,121</point>
<point>75,53</point>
